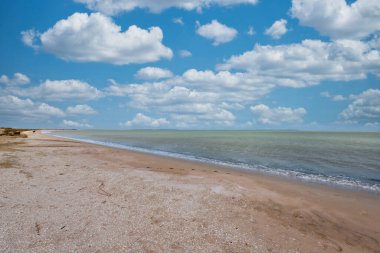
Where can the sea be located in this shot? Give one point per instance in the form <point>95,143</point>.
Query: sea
<point>341,159</point>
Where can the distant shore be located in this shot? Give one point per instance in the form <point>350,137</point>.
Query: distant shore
<point>63,195</point>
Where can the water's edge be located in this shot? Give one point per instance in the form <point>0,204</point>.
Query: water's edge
<point>346,183</point>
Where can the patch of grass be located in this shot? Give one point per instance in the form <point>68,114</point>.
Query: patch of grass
<point>18,132</point>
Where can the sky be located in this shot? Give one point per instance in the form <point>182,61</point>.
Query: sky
<point>190,64</point>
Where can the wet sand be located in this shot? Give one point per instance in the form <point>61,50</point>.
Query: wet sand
<point>58,195</point>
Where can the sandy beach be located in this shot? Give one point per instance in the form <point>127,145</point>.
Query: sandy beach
<point>59,195</point>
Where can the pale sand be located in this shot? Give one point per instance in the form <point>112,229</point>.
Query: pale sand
<point>59,195</point>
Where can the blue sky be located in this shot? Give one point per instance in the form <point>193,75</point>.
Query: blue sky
<point>194,64</point>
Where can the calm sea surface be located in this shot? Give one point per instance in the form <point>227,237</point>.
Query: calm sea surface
<point>345,159</point>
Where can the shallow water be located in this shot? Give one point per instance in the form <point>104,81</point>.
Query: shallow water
<point>345,159</point>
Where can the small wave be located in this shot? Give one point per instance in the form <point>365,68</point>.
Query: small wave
<point>339,181</point>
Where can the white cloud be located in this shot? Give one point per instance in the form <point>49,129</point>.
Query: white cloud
<point>18,79</point>
<point>337,19</point>
<point>30,37</point>
<point>374,124</point>
<point>223,78</point>
<point>325,94</point>
<point>195,113</point>
<point>225,86</point>
<point>217,32</point>
<point>278,29</point>
<point>80,109</point>
<point>14,107</point>
<point>197,98</point>
<point>96,38</point>
<point>309,62</point>
<point>251,31</point>
<point>365,107</point>
<point>60,90</point>
<point>113,7</point>
<point>185,53</point>
<point>50,110</point>
<point>279,115</point>
<point>178,21</point>
<point>185,98</point>
<point>153,73</point>
<point>75,124</point>
<point>142,120</point>
<point>336,98</point>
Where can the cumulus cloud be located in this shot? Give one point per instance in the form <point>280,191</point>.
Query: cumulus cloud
<point>59,90</point>
<point>217,32</point>
<point>338,19</point>
<point>279,115</point>
<point>142,120</point>
<point>15,107</point>
<point>309,62</point>
<point>365,107</point>
<point>278,29</point>
<point>17,79</point>
<point>251,31</point>
<point>113,7</point>
<point>153,73</point>
<point>185,53</point>
<point>199,77</point>
<point>203,86</point>
<point>374,124</point>
<point>178,21</point>
<point>80,109</point>
<point>96,38</point>
<point>245,78</point>
<point>75,124</point>
<point>336,98</point>
<point>196,97</point>
<point>325,94</point>
<point>30,38</point>
<point>195,113</point>
<point>204,97</point>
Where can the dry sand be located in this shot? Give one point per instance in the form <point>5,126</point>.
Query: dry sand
<point>58,195</point>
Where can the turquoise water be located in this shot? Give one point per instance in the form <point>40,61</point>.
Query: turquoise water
<point>345,159</point>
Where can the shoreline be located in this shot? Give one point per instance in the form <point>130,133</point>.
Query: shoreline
<point>236,171</point>
<point>313,180</point>
<point>64,195</point>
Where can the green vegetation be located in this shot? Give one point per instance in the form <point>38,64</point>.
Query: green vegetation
<point>14,132</point>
